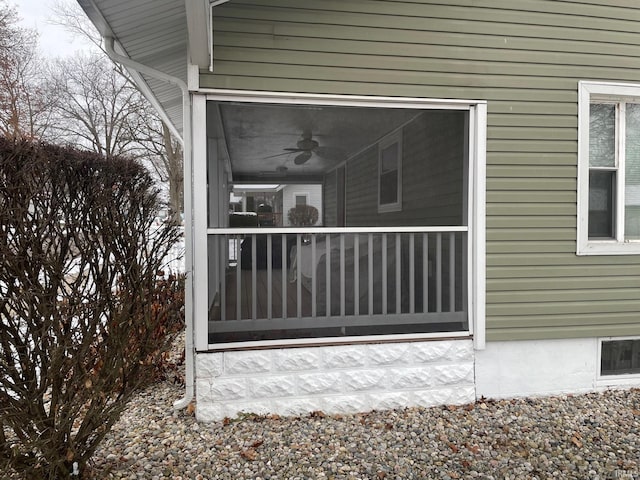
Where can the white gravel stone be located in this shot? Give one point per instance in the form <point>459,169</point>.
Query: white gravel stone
<point>593,436</point>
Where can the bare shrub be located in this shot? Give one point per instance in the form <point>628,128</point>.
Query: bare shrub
<point>83,317</point>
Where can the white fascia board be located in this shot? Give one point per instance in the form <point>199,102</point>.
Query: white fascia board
<point>95,15</point>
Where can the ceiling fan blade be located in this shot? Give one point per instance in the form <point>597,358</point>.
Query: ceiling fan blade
<point>302,158</point>
<point>287,151</point>
<point>277,155</point>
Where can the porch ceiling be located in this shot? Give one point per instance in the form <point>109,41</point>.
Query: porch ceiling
<point>257,136</point>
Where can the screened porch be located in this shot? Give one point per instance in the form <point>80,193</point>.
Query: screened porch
<point>388,252</point>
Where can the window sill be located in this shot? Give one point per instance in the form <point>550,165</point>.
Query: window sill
<point>619,381</point>
<point>391,207</point>
<point>608,247</point>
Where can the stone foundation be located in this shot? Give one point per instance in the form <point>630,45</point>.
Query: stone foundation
<point>334,379</point>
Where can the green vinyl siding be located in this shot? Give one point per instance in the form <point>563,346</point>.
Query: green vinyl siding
<point>525,59</point>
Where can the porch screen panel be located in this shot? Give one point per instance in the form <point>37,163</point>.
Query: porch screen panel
<point>388,258</point>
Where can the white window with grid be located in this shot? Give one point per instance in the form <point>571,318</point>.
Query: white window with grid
<point>608,169</point>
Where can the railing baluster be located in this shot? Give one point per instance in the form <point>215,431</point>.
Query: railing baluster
<point>269,277</point>
<point>342,276</point>
<point>370,271</point>
<point>439,272</point>
<point>356,274</point>
<point>299,276</point>
<point>223,282</point>
<point>313,276</point>
<point>398,274</point>
<point>327,259</point>
<point>254,277</point>
<point>284,277</point>
<point>452,272</point>
<point>238,288</point>
<point>464,279</point>
<point>425,272</point>
<point>384,273</point>
<point>412,274</point>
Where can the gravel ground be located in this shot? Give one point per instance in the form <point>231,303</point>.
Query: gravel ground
<point>594,436</point>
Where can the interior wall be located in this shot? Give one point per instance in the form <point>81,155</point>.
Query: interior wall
<point>314,198</point>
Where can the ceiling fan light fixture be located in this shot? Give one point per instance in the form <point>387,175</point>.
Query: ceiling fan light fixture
<point>307,144</point>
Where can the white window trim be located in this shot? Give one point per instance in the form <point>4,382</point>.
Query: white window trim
<point>587,92</point>
<point>391,139</point>
<point>620,380</point>
<point>476,245</point>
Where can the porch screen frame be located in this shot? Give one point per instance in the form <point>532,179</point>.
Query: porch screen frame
<point>476,248</point>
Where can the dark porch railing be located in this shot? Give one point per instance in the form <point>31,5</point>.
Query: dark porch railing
<point>337,279</point>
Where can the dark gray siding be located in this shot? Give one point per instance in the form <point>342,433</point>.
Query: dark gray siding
<point>525,58</point>
<point>329,203</point>
<point>432,151</point>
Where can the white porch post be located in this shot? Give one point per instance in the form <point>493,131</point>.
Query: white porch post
<point>478,233</point>
<point>199,181</point>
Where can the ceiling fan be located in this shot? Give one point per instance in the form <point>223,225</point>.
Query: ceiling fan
<point>305,148</point>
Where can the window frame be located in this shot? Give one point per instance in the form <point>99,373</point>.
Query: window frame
<point>614,379</point>
<point>386,142</point>
<point>603,92</point>
<point>300,194</point>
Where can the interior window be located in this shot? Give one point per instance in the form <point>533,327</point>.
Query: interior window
<point>390,176</point>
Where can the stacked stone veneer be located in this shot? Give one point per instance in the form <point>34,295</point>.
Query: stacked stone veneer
<point>334,379</point>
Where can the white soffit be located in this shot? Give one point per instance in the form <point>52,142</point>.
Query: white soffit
<point>157,34</point>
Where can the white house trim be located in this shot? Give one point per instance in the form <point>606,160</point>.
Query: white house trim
<point>223,95</point>
<point>199,182</point>
<point>477,205</point>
